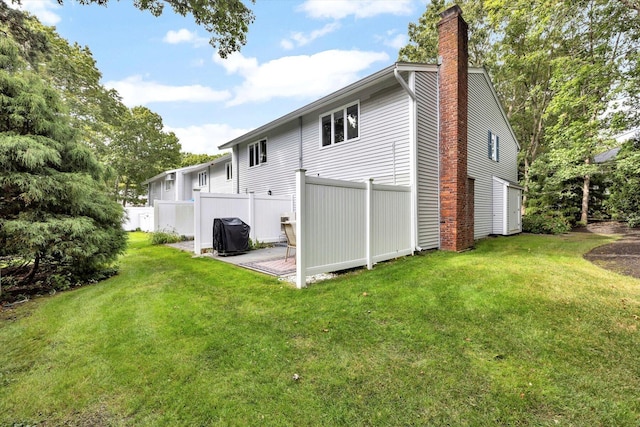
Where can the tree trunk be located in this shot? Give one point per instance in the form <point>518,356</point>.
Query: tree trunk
<point>523,207</point>
<point>126,192</point>
<point>34,268</point>
<point>585,197</point>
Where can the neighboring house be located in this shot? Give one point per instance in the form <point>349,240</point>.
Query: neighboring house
<point>439,129</point>
<point>178,184</point>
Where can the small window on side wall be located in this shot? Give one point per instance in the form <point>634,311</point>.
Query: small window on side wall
<point>202,179</point>
<point>229,171</point>
<point>493,147</point>
<point>258,153</point>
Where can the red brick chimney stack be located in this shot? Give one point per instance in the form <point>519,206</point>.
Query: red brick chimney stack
<point>456,189</point>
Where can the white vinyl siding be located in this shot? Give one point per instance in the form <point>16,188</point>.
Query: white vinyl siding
<point>428,158</point>
<point>218,182</point>
<point>382,150</point>
<point>484,115</point>
<point>278,174</point>
<point>155,192</point>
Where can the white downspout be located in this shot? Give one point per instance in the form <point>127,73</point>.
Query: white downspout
<point>438,145</point>
<point>413,152</point>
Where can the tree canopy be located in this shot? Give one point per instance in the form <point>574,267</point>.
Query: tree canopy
<point>190,159</point>
<point>140,150</point>
<point>227,21</point>
<point>568,75</point>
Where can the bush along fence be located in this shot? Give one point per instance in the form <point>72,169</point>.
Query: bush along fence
<point>261,212</point>
<point>344,224</point>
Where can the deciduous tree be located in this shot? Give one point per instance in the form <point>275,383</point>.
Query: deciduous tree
<point>189,159</point>
<point>140,150</point>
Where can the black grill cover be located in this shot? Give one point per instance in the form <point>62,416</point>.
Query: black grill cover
<point>230,236</point>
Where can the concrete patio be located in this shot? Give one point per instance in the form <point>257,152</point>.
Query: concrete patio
<point>267,260</point>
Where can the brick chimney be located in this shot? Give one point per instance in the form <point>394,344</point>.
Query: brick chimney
<point>456,188</point>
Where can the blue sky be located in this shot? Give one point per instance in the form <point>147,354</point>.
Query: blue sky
<point>296,52</point>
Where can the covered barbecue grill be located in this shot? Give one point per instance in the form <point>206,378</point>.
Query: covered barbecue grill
<point>230,236</point>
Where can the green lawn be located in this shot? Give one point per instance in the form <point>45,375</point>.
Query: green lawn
<point>520,331</point>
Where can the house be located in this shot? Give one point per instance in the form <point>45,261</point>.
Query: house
<point>179,184</point>
<point>438,129</point>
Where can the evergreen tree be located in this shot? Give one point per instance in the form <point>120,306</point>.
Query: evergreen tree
<point>55,215</point>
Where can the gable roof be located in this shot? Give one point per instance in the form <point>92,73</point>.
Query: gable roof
<point>371,80</point>
<point>187,169</point>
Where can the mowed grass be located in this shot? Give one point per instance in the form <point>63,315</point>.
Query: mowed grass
<point>520,331</point>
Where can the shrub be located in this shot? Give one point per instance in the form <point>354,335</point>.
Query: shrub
<point>633,221</point>
<point>545,223</point>
<point>163,236</point>
<point>257,244</point>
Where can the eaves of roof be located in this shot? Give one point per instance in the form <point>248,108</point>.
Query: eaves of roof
<point>385,73</point>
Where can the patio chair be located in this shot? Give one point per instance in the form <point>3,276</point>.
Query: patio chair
<point>290,232</point>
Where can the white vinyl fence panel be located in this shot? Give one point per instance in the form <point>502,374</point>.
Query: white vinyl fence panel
<point>343,224</point>
<point>174,216</point>
<point>138,217</point>
<point>262,213</point>
<point>391,220</point>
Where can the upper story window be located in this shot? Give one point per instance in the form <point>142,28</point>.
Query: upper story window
<point>493,147</point>
<point>258,153</point>
<point>202,179</point>
<point>340,125</point>
<point>228,170</point>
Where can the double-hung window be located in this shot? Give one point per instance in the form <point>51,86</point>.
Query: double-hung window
<point>493,147</point>
<point>202,179</point>
<point>229,170</point>
<point>340,125</point>
<point>258,153</point>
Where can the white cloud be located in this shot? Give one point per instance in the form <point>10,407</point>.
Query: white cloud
<point>395,40</point>
<point>205,139</point>
<point>44,10</point>
<point>301,76</point>
<point>301,39</point>
<point>184,36</point>
<point>339,9</point>
<point>287,44</point>
<point>136,91</point>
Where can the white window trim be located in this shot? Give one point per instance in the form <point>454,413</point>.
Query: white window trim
<point>258,145</point>
<point>344,109</point>
<point>202,179</point>
<point>493,147</point>
<point>228,170</point>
